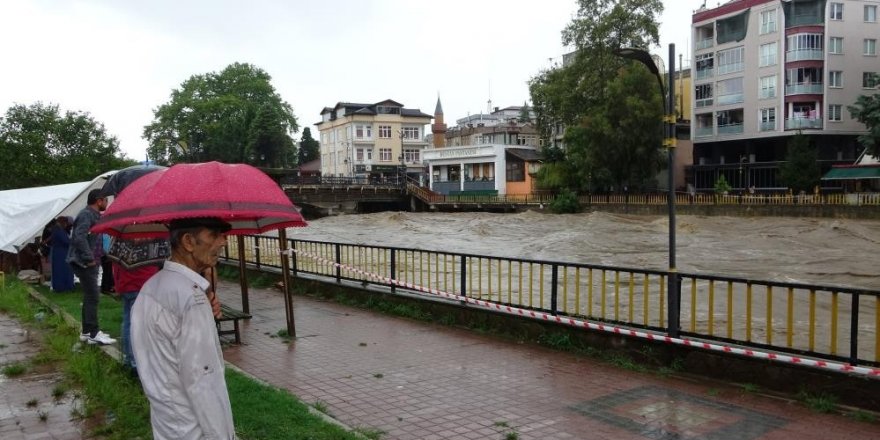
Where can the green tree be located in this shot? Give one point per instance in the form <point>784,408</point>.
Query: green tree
<point>867,111</point>
<point>619,143</point>
<point>309,148</point>
<point>213,116</point>
<point>570,94</point>
<point>41,146</point>
<point>525,114</point>
<point>800,172</point>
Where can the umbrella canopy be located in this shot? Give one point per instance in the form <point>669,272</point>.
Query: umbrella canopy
<point>139,252</point>
<point>236,193</point>
<point>122,178</point>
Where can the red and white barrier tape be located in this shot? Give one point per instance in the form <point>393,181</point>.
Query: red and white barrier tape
<point>542,316</point>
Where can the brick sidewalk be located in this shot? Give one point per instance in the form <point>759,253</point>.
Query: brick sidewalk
<point>28,410</point>
<point>416,380</point>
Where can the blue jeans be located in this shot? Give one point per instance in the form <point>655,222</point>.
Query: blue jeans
<point>127,356</point>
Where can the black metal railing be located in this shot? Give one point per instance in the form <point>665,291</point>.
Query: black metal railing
<point>830,322</point>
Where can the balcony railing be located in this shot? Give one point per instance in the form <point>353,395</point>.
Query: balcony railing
<point>730,68</point>
<point>730,99</point>
<point>705,43</point>
<point>704,131</point>
<point>801,123</point>
<point>804,55</point>
<point>730,129</point>
<point>768,126</point>
<point>804,89</point>
<point>705,73</point>
<point>704,102</point>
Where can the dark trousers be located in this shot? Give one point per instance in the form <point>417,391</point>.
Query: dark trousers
<point>106,275</point>
<point>88,279</point>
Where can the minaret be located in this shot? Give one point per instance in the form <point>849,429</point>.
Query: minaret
<point>438,127</point>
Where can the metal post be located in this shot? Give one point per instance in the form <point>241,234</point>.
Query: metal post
<point>285,279</point>
<point>673,282</point>
<point>242,276</point>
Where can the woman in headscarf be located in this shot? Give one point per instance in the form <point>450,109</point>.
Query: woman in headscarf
<point>62,275</point>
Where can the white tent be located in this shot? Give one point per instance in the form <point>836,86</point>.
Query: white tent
<point>25,212</point>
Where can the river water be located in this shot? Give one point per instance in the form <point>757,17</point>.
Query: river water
<point>808,250</point>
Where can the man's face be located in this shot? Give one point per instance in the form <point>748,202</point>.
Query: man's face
<point>102,204</point>
<point>206,247</point>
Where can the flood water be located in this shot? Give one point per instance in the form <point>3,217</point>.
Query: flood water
<point>808,250</point>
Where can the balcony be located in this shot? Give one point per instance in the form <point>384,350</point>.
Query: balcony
<point>768,126</point>
<point>803,123</point>
<point>730,99</point>
<point>705,73</point>
<point>707,102</point>
<point>730,68</point>
<point>804,89</point>
<point>705,43</point>
<point>804,55</point>
<point>704,131</point>
<point>730,129</point>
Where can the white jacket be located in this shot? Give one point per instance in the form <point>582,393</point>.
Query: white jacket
<point>175,344</point>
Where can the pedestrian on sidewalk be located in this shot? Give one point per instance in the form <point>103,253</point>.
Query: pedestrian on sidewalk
<point>59,245</point>
<point>175,342</point>
<point>84,262</point>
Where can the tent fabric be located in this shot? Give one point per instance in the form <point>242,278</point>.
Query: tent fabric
<point>849,173</point>
<point>25,212</point>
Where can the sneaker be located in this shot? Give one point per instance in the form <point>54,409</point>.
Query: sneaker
<point>102,339</point>
<point>83,337</point>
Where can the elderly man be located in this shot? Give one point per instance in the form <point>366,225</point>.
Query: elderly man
<point>174,338</point>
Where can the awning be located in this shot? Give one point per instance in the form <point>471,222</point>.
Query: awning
<point>853,173</point>
<point>525,154</point>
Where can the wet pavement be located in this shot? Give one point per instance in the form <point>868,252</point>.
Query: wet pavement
<point>28,408</point>
<point>416,380</point>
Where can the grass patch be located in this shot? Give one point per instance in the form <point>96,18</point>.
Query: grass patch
<point>32,403</point>
<point>862,416</point>
<point>818,402</point>
<point>370,433</point>
<point>109,308</point>
<point>59,391</point>
<point>14,370</point>
<point>263,412</point>
<point>750,388</point>
<point>321,406</point>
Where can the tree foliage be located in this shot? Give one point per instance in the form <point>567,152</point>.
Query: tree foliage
<point>800,172</point>
<point>233,116</point>
<point>309,148</point>
<point>574,93</point>
<point>867,111</point>
<point>41,146</point>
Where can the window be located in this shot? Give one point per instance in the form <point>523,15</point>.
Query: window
<point>369,154</point>
<point>869,47</point>
<point>703,93</point>
<point>385,154</point>
<point>363,131</point>
<point>835,78</point>
<point>768,54</point>
<point>730,91</point>
<point>730,60</point>
<point>359,154</point>
<point>768,119</point>
<point>705,64</point>
<point>768,87</point>
<point>834,112</point>
<point>411,156</point>
<point>870,80</point>
<point>835,45</point>
<point>768,21</point>
<point>515,170</point>
<point>871,13</point>
<point>805,42</point>
<point>836,11</point>
<point>411,133</point>
<point>384,132</point>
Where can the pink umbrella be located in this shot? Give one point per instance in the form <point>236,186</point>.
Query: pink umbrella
<point>239,194</point>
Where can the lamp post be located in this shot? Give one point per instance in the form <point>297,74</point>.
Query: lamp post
<point>644,57</point>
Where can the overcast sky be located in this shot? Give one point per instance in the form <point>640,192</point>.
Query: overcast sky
<point>119,59</point>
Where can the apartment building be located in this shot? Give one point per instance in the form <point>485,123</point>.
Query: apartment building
<point>765,70</point>
<point>374,141</point>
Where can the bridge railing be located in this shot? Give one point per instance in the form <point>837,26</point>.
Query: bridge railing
<point>830,322</point>
<point>390,181</point>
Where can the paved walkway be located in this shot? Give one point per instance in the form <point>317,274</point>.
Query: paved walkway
<point>28,409</point>
<point>417,380</point>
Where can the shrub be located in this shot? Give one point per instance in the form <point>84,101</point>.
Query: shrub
<point>565,202</point>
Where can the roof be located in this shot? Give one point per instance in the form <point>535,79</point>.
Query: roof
<point>525,154</point>
<point>357,108</point>
<point>852,172</point>
<point>312,165</point>
<point>414,112</point>
<point>439,109</point>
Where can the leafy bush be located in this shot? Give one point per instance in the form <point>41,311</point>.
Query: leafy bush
<point>721,185</point>
<point>565,202</point>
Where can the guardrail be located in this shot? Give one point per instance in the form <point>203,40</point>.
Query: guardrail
<point>827,322</point>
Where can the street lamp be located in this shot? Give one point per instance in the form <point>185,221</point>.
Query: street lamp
<point>644,57</point>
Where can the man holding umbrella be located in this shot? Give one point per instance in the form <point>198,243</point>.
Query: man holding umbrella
<point>174,338</point>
